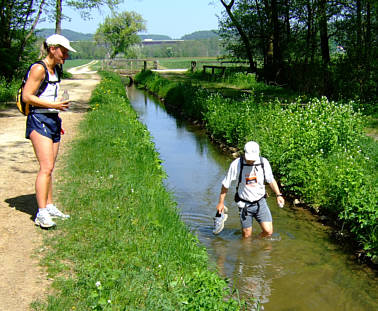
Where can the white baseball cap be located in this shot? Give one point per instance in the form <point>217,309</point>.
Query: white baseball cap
<point>56,39</point>
<point>251,151</point>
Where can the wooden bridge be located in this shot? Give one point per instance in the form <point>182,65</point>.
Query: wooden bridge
<point>129,67</point>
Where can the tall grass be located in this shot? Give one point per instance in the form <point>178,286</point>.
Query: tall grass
<point>125,247</point>
<point>318,150</point>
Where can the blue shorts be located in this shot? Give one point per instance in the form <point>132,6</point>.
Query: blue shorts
<point>46,124</point>
<point>260,211</point>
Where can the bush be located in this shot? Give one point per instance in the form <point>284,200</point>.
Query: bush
<point>8,90</point>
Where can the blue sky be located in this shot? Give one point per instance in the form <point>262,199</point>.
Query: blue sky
<point>174,18</point>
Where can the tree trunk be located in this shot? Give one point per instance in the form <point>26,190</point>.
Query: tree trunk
<point>277,53</point>
<point>32,29</point>
<point>243,35</point>
<point>34,25</point>
<point>358,28</point>
<point>323,28</point>
<point>309,31</point>
<point>287,24</point>
<point>58,21</point>
<point>262,32</point>
<point>368,31</point>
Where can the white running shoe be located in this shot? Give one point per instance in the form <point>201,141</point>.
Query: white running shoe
<point>43,219</point>
<point>55,213</point>
<point>219,221</point>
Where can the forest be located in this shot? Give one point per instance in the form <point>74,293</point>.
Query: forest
<point>316,47</point>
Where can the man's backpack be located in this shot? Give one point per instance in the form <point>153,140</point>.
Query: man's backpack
<point>237,198</point>
<point>21,105</point>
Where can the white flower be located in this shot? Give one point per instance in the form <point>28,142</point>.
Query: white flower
<point>109,301</point>
<point>98,284</point>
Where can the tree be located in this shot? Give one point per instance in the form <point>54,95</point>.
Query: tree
<point>18,19</point>
<point>242,33</point>
<point>296,41</point>
<point>119,32</point>
<point>83,5</point>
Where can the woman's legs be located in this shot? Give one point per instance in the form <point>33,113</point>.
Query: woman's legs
<point>46,152</point>
<point>50,193</point>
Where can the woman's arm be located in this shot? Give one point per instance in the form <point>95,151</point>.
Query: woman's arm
<point>36,76</point>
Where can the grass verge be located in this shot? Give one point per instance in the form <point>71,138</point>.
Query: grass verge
<point>125,247</point>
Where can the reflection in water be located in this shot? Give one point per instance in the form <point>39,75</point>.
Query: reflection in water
<point>298,269</point>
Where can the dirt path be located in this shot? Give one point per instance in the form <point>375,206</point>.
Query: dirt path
<point>22,279</point>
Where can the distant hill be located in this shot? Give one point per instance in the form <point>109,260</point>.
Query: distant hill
<point>155,37</point>
<point>78,36</point>
<point>69,34</point>
<point>198,35</point>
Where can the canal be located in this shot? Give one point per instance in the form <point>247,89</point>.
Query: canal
<point>299,268</point>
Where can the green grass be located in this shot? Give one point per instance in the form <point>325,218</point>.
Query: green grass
<point>183,62</point>
<point>70,63</point>
<point>125,247</point>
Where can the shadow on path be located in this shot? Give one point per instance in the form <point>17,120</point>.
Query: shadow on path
<point>24,203</point>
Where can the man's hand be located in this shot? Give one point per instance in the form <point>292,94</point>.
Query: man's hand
<point>280,201</point>
<point>220,207</point>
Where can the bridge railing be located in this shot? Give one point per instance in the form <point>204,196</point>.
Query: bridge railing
<point>129,66</point>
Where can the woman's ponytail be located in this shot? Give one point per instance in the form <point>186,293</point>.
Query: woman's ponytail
<point>44,50</point>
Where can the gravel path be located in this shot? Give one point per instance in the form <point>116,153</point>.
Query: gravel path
<point>22,278</point>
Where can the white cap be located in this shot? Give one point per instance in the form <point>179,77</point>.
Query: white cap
<point>59,40</point>
<point>251,151</point>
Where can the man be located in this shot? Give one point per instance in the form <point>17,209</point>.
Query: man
<point>251,172</point>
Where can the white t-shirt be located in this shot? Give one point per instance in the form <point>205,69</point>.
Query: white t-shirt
<point>251,187</point>
<point>51,92</point>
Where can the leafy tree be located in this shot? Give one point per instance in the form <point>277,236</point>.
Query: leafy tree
<point>84,6</point>
<point>242,33</point>
<point>18,19</point>
<point>293,39</point>
<point>119,32</point>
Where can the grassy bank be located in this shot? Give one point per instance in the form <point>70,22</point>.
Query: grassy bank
<point>317,148</point>
<point>125,247</point>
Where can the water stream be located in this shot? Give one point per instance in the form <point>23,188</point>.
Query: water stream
<point>299,268</point>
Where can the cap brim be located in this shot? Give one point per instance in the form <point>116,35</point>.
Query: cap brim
<point>251,156</point>
<point>70,48</point>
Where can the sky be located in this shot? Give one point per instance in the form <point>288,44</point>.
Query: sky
<point>174,18</point>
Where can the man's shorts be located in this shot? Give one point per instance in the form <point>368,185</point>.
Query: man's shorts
<point>260,211</point>
<point>46,124</point>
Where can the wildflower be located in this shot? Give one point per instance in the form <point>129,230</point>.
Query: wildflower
<point>98,284</point>
<point>109,301</point>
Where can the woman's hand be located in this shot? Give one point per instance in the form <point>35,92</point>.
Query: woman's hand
<point>62,105</point>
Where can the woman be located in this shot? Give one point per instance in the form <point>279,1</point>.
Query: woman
<point>43,126</point>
